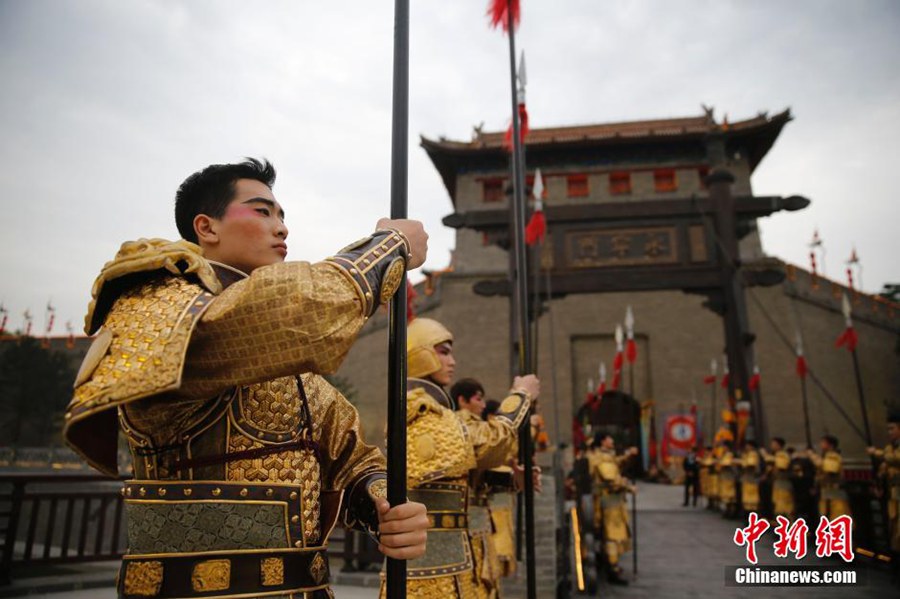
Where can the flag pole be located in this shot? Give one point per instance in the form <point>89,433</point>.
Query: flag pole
<point>521,294</point>
<point>396,422</point>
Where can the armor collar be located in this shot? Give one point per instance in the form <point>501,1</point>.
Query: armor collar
<point>227,275</point>
<point>434,391</point>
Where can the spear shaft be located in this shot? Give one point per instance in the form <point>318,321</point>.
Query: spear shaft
<point>396,423</point>
<point>521,294</point>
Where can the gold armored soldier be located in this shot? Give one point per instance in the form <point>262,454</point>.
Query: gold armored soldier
<point>208,352</point>
<point>778,470</point>
<point>833,499</point>
<point>750,470</point>
<point>610,503</point>
<point>709,481</point>
<point>889,471</point>
<point>446,451</point>
<point>726,477</point>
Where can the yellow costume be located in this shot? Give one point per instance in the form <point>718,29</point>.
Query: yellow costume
<point>240,450</point>
<point>709,480</point>
<point>890,471</point>
<point>610,503</point>
<point>727,482</point>
<point>501,503</point>
<point>750,480</point>
<point>446,451</point>
<point>779,469</point>
<point>833,500</point>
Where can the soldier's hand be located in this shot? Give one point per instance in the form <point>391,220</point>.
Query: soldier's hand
<point>415,234</point>
<point>871,450</point>
<point>403,529</point>
<point>519,477</point>
<point>529,384</point>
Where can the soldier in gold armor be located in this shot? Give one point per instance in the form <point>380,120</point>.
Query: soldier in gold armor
<point>209,352</point>
<point>750,472</point>
<point>610,502</point>
<point>833,499</point>
<point>447,455</point>
<point>889,471</point>
<point>726,475</point>
<point>778,470</point>
<point>708,478</point>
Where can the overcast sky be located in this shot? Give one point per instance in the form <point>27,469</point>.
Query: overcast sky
<point>107,105</point>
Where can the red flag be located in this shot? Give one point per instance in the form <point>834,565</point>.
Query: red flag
<point>802,369</point>
<point>848,339</point>
<point>536,228</point>
<point>631,351</point>
<point>499,11</point>
<point>754,380</point>
<point>523,128</point>
<point>709,379</point>
<point>410,296</point>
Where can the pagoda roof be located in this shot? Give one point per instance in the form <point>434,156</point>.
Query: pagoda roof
<point>756,135</point>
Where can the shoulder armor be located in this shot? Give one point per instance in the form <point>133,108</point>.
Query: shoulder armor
<point>139,352</point>
<point>438,445</point>
<point>782,460</point>
<point>434,391</point>
<point>831,463</point>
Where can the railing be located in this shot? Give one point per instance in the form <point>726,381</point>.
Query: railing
<point>68,518</point>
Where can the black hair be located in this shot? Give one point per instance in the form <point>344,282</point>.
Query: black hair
<point>780,441</point>
<point>831,440</point>
<point>491,406</point>
<point>466,388</point>
<point>211,190</point>
<point>599,437</point>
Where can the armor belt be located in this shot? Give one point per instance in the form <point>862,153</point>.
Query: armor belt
<point>479,519</point>
<point>276,571</point>
<point>193,538</point>
<point>447,551</point>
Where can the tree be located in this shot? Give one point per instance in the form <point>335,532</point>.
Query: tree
<point>35,387</point>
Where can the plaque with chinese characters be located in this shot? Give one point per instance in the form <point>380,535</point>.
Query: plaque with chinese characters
<point>621,247</point>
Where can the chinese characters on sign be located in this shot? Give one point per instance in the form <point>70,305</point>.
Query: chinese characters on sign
<point>621,247</point>
<point>833,537</point>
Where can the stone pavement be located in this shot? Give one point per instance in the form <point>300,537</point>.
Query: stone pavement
<point>683,553</point>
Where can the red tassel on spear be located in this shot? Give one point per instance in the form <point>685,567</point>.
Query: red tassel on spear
<point>630,345</point>
<point>536,228</point>
<point>499,11</point>
<point>755,379</point>
<point>848,338</point>
<point>523,128</point>
<point>726,376</point>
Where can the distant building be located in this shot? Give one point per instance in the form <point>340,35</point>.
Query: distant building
<point>625,164</point>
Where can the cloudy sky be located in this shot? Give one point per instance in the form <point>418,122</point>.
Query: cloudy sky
<point>107,105</point>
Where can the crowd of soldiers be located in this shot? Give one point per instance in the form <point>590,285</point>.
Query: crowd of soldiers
<point>783,481</point>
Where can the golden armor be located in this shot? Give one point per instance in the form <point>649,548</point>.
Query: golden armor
<point>833,500</point>
<point>237,456</point>
<point>610,503</point>
<point>727,482</point>
<point>779,467</point>
<point>421,337</point>
<point>750,467</point>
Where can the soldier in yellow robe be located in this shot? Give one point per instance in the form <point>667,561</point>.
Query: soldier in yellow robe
<point>726,475</point>
<point>833,499</point>
<point>610,503</point>
<point>778,470</point>
<point>208,354</point>
<point>750,472</point>
<point>709,481</point>
<point>447,453</point>
<point>889,471</point>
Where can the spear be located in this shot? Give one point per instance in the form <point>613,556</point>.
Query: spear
<point>801,369</point>
<point>849,339</point>
<point>396,422</point>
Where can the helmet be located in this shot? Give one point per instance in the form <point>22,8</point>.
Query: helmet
<point>421,337</point>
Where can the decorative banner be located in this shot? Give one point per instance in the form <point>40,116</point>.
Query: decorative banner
<point>679,435</point>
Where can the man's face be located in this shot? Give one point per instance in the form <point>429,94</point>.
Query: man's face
<point>448,364</point>
<point>774,446</point>
<point>608,443</point>
<point>824,445</point>
<point>893,430</point>
<point>251,233</point>
<point>474,404</point>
